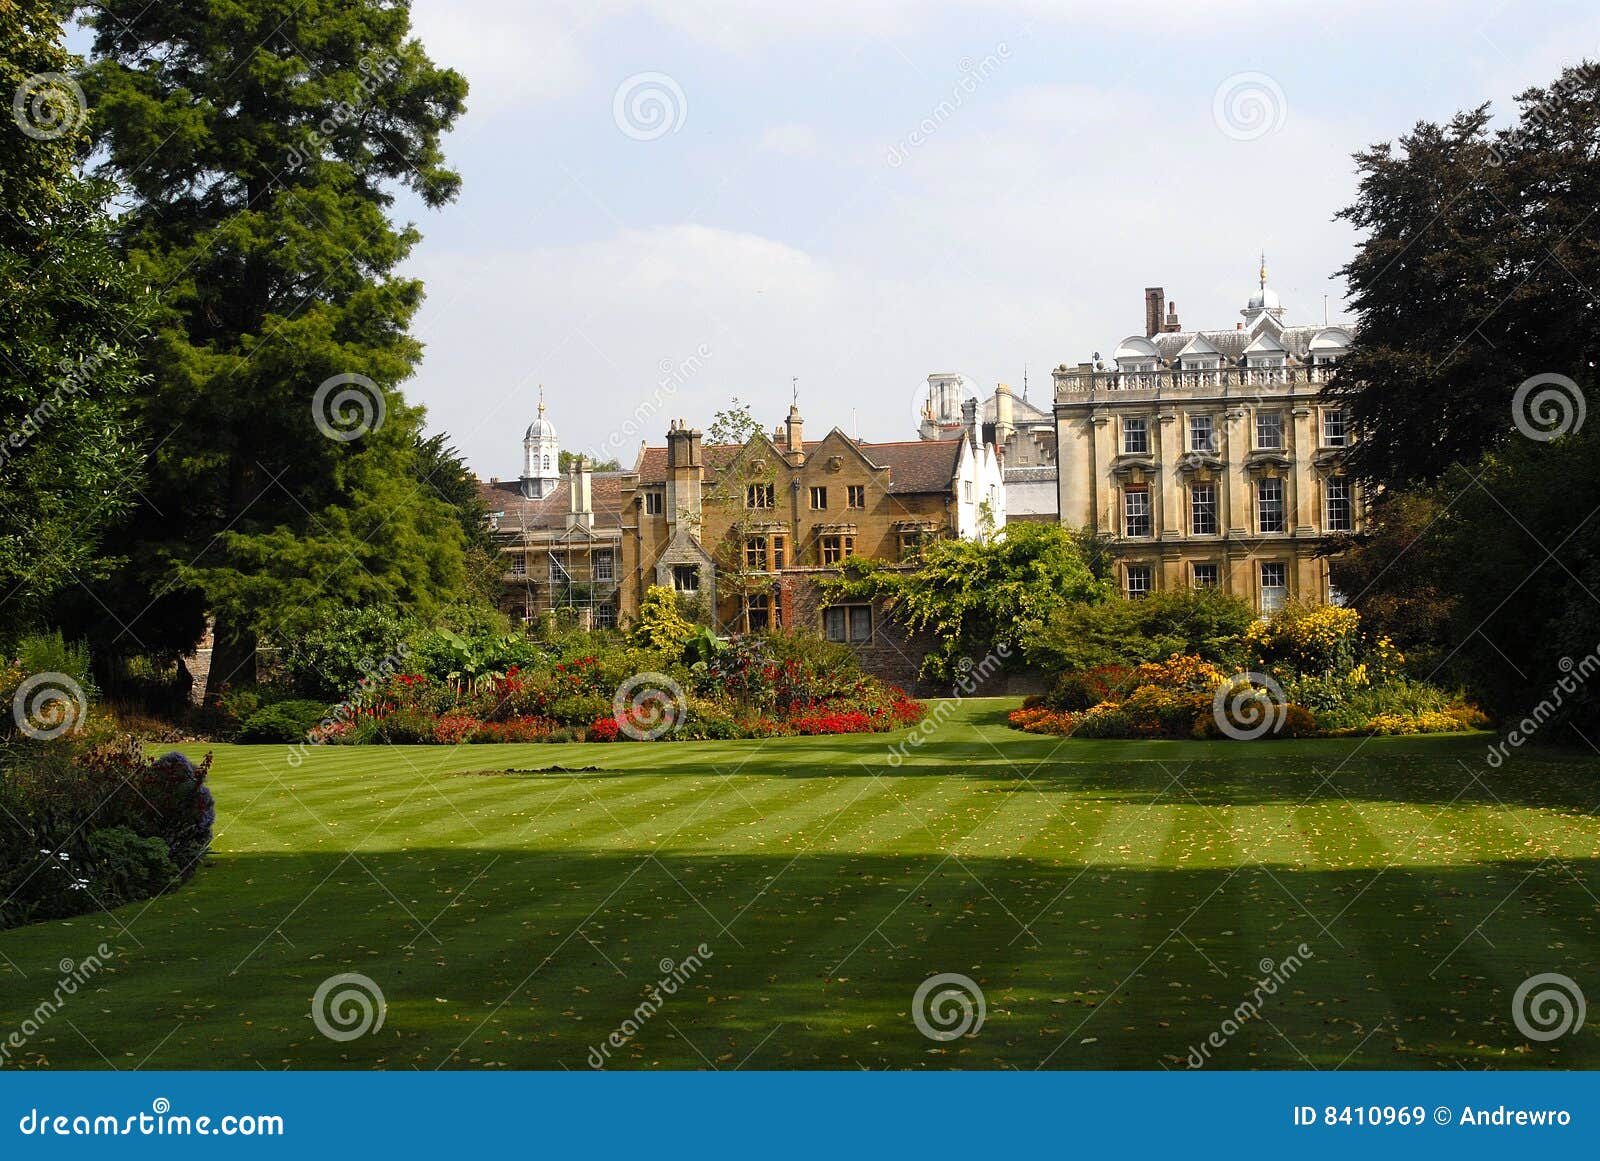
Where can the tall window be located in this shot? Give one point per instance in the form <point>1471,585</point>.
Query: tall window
<point>1136,511</point>
<point>1274,585</point>
<point>849,623</point>
<point>856,494</point>
<point>1138,581</point>
<point>604,565</point>
<point>519,565</point>
<point>758,496</point>
<point>1338,496</point>
<point>558,572</point>
<point>836,547</point>
<point>1203,510</point>
<point>1334,433</point>
<point>912,541</point>
<point>780,553</point>
<point>966,491</point>
<point>1269,430</point>
<point>654,503</point>
<point>1135,436</point>
<point>819,499</point>
<point>755,552</point>
<point>763,612</point>
<point>1269,505</point>
<point>1206,576</point>
<point>1202,434</point>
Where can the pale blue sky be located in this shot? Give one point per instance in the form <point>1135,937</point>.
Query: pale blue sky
<point>1085,161</point>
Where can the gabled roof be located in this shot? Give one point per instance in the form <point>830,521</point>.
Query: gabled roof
<point>519,513</point>
<point>1231,344</point>
<point>915,466</point>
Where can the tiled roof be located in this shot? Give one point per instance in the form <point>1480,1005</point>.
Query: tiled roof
<point>1232,343</point>
<point>914,466</point>
<point>518,512</point>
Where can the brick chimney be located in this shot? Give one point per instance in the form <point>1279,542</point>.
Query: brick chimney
<point>580,494</point>
<point>794,436</point>
<point>1155,299</point>
<point>684,472</point>
<point>1172,326</point>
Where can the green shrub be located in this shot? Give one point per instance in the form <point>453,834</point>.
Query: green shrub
<point>405,728</point>
<point>125,867</point>
<point>286,721</point>
<point>579,709</point>
<point>1105,724</point>
<point>1206,623</point>
<point>659,625</point>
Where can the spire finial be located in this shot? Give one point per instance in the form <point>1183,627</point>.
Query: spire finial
<point>1263,270</point>
<point>541,400</point>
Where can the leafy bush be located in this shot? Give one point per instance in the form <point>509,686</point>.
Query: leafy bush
<point>330,658</point>
<point>405,728</point>
<point>1077,690</point>
<point>125,867</point>
<point>286,721</point>
<point>1206,623</point>
<point>659,624</point>
<point>51,653</point>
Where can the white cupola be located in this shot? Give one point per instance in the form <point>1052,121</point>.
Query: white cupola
<point>541,456</point>
<point>1264,301</point>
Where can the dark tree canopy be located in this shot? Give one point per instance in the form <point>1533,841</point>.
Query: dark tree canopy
<point>71,320</point>
<point>1476,275</point>
<point>262,143</point>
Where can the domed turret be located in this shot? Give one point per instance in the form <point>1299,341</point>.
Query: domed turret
<point>1265,300</point>
<point>541,456</point>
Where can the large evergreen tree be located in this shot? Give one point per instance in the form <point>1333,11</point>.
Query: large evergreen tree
<point>71,319</point>
<point>1471,383</point>
<point>262,143</point>
<point>1476,275</point>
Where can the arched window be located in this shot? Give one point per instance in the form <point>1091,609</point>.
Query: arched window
<point>547,463</point>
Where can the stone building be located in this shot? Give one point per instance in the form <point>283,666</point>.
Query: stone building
<point>743,533</point>
<point>1209,457</point>
<point>1022,435</point>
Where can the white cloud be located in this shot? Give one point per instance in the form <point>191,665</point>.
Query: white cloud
<point>791,140</point>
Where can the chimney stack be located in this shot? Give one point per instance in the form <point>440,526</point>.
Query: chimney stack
<point>969,417</point>
<point>1172,326</point>
<point>794,435</point>
<point>580,494</point>
<point>1155,299</point>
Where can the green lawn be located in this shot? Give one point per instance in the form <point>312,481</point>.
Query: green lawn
<point>1114,901</point>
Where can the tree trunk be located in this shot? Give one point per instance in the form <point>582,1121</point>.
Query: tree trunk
<point>233,659</point>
